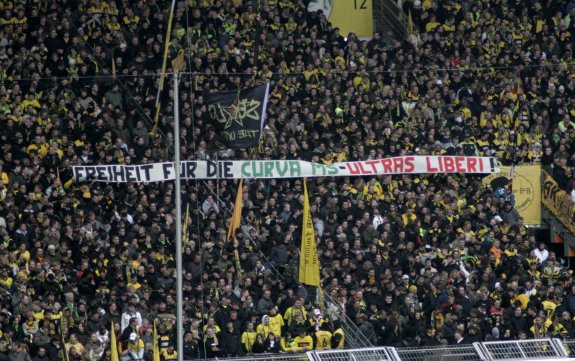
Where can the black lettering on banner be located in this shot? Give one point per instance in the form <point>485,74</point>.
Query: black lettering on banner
<point>90,173</point>
<point>101,173</point>
<point>146,168</point>
<point>130,174</point>
<point>190,169</point>
<point>212,169</point>
<point>167,169</point>
<point>227,169</point>
<point>118,174</point>
<point>362,4</point>
<point>78,171</point>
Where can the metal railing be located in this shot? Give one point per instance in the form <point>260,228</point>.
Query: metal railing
<point>266,356</point>
<point>365,354</point>
<point>521,349</point>
<point>540,349</point>
<point>391,18</point>
<point>354,338</point>
<point>438,353</point>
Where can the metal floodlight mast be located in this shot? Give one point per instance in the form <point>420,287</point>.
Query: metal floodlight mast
<point>179,286</point>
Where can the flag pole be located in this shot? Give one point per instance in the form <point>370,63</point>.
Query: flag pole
<point>179,286</point>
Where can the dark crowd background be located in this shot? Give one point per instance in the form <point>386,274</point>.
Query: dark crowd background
<point>412,260</point>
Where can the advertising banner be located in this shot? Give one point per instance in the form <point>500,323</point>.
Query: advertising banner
<point>558,202</point>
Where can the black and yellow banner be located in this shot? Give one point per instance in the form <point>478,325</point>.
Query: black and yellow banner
<point>558,202</point>
<point>526,190</point>
<point>239,115</point>
<point>308,260</point>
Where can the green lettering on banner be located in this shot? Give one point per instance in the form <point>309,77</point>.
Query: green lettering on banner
<point>245,172</point>
<point>282,168</point>
<point>315,167</point>
<point>332,170</point>
<point>269,169</point>
<point>294,168</point>
<point>257,171</point>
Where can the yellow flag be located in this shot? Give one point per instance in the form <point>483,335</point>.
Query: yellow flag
<point>114,345</point>
<point>235,223</point>
<point>308,262</point>
<point>186,221</point>
<point>519,82</point>
<point>164,63</point>
<point>64,349</point>
<point>409,23</point>
<point>113,67</point>
<point>156,348</point>
<point>178,63</point>
<point>321,299</point>
<point>539,26</point>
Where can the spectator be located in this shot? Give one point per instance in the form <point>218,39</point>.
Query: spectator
<point>259,346</point>
<point>231,341</point>
<point>271,344</point>
<point>542,253</point>
<point>212,346</point>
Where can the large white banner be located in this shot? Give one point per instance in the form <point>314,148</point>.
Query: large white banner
<point>266,169</point>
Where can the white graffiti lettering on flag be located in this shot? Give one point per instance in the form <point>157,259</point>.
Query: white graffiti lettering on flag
<point>267,169</point>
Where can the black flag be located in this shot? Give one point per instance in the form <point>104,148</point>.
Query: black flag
<point>239,115</point>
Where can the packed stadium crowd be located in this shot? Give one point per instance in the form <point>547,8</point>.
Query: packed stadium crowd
<point>411,260</point>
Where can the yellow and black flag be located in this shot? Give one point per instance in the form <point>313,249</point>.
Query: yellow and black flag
<point>308,260</point>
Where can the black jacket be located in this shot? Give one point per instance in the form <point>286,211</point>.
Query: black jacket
<point>231,343</point>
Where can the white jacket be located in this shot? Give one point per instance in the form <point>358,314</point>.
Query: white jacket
<point>126,316</point>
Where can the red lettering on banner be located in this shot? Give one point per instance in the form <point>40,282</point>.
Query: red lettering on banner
<point>449,164</point>
<point>386,165</point>
<point>352,171</point>
<point>398,164</point>
<point>471,162</point>
<point>459,164</point>
<point>480,165</point>
<point>430,169</point>
<point>408,166</point>
<point>363,171</point>
<point>372,163</point>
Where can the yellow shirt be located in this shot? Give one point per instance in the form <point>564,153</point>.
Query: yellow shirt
<point>264,329</point>
<point>292,311</point>
<point>169,356</point>
<point>248,340</point>
<point>303,343</point>
<point>323,340</point>
<point>78,346</point>
<point>276,323</point>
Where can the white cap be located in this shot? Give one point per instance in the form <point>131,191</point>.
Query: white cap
<point>133,337</point>
<point>497,284</point>
<point>405,277</point>
<point>498,218</point>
